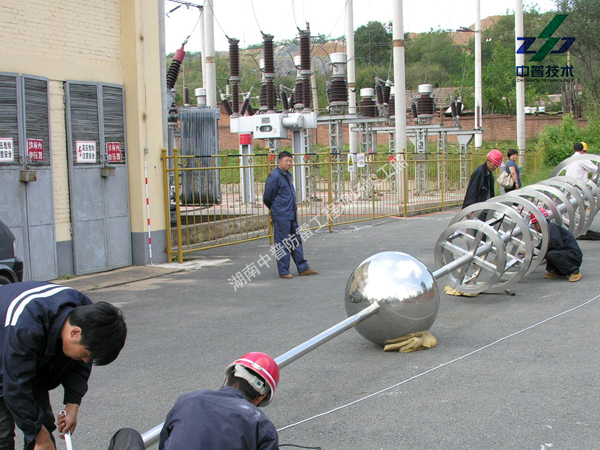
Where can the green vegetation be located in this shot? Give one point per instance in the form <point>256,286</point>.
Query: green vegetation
<point>558,140</point>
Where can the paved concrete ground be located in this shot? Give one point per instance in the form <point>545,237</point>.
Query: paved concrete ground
<point>509,372</point>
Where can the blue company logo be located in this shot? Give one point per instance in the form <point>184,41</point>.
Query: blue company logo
<point>550,41</point>
<point>547,48</point>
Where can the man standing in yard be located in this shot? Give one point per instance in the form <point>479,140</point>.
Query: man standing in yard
<point>280,198</point>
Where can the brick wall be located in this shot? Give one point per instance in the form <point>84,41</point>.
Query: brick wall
<point>87,31</point>
<point>497,127</point>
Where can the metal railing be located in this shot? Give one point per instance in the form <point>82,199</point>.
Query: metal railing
<point>217,200</point>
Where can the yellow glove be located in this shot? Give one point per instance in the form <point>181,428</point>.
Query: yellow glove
<point>451,291</point>
<point>411,342</point>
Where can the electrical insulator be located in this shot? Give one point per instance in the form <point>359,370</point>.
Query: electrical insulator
<point>307,93</point>
<point>234,57</point>
<point>284,100</point>
<point>413,108</point>
<point>173,72</point>
<point>298,93</point>
<point>244,106</point>
<point>367,104</point>
<point>387,91</point>
<point>337,92</point>
<point>234,79</point>
<point>425,104</point>
<point>304,50</point>
<point>227,107</point>
<point>392,105</point>
<point>379,91</point>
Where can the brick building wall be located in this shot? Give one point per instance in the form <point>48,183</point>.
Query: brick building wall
<point>84,31</point>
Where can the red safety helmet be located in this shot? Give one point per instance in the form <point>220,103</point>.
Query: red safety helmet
<point>543,211</point>
<point>495,156</point>
<point>259,364</point>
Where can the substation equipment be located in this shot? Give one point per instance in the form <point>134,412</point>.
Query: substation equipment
<point>487,247</point>
<point>298,117</point>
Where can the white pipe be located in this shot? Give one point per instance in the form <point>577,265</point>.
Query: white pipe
<point>351,67</point>
<point>478,89</point>
<point>163,73</point>
<point>209,44</point>
<point>202,46</point>
<point>399,76</point>
<point>520,87</point>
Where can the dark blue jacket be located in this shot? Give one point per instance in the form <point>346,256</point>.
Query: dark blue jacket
<point>481,186</point>
<point>217,420</point>
<point>280,195</point>
<point>33,314</point>
<point>562,239</point>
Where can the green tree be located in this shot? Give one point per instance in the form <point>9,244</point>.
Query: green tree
<point>432,58</point>
<point>583,24</point>
<point>373,44</point>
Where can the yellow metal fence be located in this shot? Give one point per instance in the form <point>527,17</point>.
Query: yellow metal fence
<point>217,200</point>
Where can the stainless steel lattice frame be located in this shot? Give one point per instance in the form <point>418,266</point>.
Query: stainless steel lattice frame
<point>499,247</point>
<point>478,255</point>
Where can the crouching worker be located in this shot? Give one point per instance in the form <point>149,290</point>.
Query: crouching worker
<point>50,336</point>
<point>229,417</point>
<point>563,257</point>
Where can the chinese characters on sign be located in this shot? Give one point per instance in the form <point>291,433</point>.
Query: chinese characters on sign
<point>6,150</point>
<point>35,150</point>
<point>86,152</point>
<point>551,72</point>
<point>332,211</point>
<point>545,73</point>
<point>113,150</point>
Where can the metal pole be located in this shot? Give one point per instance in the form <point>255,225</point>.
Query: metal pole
<point>478,88</point>
<point>351,73</point>
<point>520,80</point>
<point>209,57</point>
<point>399,88</point>
<point>308,346</point>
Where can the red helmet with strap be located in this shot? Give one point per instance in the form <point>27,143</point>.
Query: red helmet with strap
<point>495,156</point>
<point>543,211</point>
<point>258,369</point>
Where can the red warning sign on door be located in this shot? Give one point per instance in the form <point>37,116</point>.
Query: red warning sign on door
<point>113,150</point>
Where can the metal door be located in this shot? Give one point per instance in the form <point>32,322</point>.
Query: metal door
<point>98,177</point>
<point>26,196</point>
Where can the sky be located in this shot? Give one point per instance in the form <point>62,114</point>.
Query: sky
<point>245,19</point>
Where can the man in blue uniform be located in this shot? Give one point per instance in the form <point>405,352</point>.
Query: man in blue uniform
<point>228,418</point>
<point>280,198</point>
<point>50,335</point>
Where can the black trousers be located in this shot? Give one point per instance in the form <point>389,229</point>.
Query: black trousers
<point>562,262</point>
<point>7,423</point>
<point>126,439</point>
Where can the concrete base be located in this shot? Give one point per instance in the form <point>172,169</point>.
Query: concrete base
<point>141,249</point>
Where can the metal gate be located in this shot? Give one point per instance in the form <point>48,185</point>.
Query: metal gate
<point>26,193</point>
<point>98,177</point>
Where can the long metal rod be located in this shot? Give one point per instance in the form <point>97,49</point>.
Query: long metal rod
<point>325,336</point>
<point>151,437</point>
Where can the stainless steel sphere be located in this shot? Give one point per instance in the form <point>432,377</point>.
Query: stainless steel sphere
<point>405,290</point>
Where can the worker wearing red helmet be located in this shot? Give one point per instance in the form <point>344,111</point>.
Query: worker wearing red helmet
<point>481,184</point>
<point>227,418</point>
<point>564,256</point>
